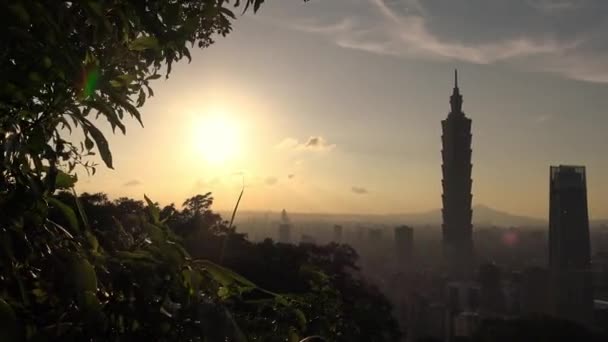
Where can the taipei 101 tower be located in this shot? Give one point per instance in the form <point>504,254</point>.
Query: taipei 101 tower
<point>457,214</point>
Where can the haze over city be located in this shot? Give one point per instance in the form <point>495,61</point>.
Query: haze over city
<point>334,106</point>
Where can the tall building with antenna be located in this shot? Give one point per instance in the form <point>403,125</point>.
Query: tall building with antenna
<point>457,213</point>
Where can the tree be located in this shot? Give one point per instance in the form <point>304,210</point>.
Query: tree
<point>62,63</point>
<point>299,290</point>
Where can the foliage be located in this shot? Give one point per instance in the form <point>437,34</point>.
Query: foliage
<point>284,290</point>
<point>65,63</point>
<point>323,282</point>
<point>87,268</point>
<point>68,272</point>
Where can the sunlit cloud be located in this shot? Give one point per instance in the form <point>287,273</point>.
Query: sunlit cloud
<point>313,143</point>
<point>202,183</point>
<point>553,6</point>
<point>359,190</point>
<point>482,32</point>
<point>133,182</point>
<point>271,181</point>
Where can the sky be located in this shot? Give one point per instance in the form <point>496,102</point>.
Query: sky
<point>335,106</point>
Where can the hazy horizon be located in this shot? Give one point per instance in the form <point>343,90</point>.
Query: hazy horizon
<point>336,106</point>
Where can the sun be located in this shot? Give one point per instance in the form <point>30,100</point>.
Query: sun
<point>216,137</point>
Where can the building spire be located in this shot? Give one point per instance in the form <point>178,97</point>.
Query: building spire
<point>456,98</point>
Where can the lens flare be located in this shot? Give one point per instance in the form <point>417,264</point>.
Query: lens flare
<point>90,77</point>
<point>510,238</point>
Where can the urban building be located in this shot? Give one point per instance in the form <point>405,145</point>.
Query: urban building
<point>284,228</point>
<point>337,238</point>
<point>569,246</point>
<point>404,247</point>
<point>456,168</point>
<point>308,239</point>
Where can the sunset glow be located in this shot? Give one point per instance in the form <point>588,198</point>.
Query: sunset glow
<point>216,137</point>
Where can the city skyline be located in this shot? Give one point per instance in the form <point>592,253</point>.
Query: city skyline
<point>354,125</point>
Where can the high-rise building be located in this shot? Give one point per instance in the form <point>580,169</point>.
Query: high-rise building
<point>404,246</point>
<point>492,299</point>
<point>534,295</point>
<point>337,238</point>
<point>569,247</point>
<point>457,213</point>
<point>284,233</point>
<point>308,239</point>
<point>285,228</point>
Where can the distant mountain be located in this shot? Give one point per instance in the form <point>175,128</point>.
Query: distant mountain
<point>482,216</point>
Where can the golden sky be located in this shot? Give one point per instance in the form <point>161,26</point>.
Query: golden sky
<point>315,116</point>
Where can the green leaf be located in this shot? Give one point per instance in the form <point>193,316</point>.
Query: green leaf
<point>109,113</point>
<point>83,275</point>
<point>257,4</point>
<point>237,333</point>
<point>227,12</point>
<point>120,100</point>
<point>116,84</point>
<point>8,323</point>
<point>144,43</point>
<point>92,240</point>
<point>138,255</point>
<point>67,212</point>
<point>153,210</point>
<point>155,233</point>
<point>83,215</point>
<point>19,10</point>
<point>46,61</point>
<point>65,180</point>
<point>88,143</point>
<point>225,276</point>
<point>301,318</point>
<point>95,8</point>
<point>102,143</point>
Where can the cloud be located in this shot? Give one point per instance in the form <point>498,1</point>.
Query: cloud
<point>314,143</point>
<point>202,183</point>
<point>565,37</point>
<point>271,181</point>
<point>132,182</point>
<point>287,143</point>
<point>359,190</point>
<point>553,6</point>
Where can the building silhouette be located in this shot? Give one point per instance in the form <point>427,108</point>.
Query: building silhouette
<point>492,299</point>
<point>456,168</point>
<point>337,237</point>
<point>404,246</point>
<point>308,239</point>
<point>284,228</point>
<point>569,246</point>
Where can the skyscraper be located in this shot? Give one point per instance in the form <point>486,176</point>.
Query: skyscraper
<point>569,246</point>
<point>337,237</point>
<point>457,213</point>
<point>404,246</point>
<point>284,228</point>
